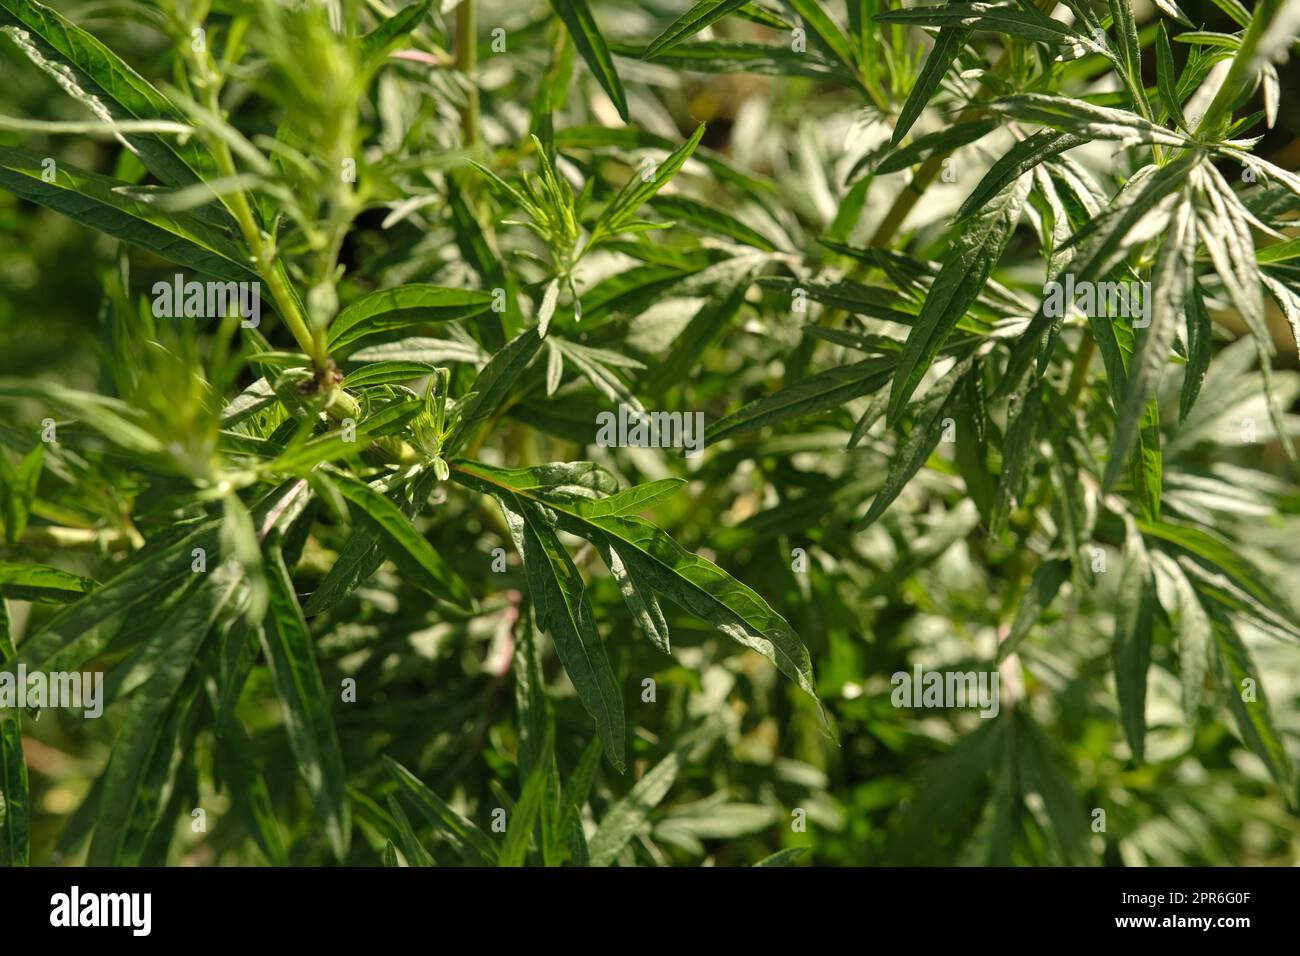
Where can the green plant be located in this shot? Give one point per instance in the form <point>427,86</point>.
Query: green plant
<point>282,531</point>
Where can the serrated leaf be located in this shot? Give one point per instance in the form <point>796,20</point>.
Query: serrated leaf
<point>1087,120</point>
<point>1011,165</point>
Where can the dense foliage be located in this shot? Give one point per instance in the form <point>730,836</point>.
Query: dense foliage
<point>990,311</point>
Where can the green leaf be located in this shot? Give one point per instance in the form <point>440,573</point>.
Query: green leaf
<point>939,143</point>
<point>15,810</point>
<point>376,44</point>
<point>402,307</point>
<point>1045,773</point>
<point>627,816</point>
<point>523,818</point>
<point>961,279</point>
<point>471,842</point>
<point>638,190</point>
<point>564,613</point>
<point>1194,636</point>
<point>1048,578</point>
<point>1226,574</point>
<point>305,707</point>
<point>364,551</point>
<point>18,489</point>
<point>639,598</point>
<point>947,46</point>
<point>344,442</point>
<point>412,848</point>
<point>1166,82</point>
<point>491,388</point>
<point>1199,336</point>
<point>913,450</point>
<point>40,582</point>
<point>1134,619</point>
<point>784,857</point>
<point>387,373</point>
<point>660,563</point>
<point>1011,165</point>
<point>52,41</point>
<point>808,396</point>
<point>248,791</point>
<point>700,333</point>
<point>1171,277</point>
<point>1254,721</point>
<point>711,220</point>
<point>143,764</point>
<point>407,548</point>
<point>591,44</point>
<point>1006,18</point>
<point>725,56</point>
<point>825,32</point>
<point>1087,120</point>
<point>93,200</point>
<point>1130,54</point>
<point>701,15</point>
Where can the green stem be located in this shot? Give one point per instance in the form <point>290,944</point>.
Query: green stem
<point>467,62</point>
<point>237,202</point>
<point>1239,78</point>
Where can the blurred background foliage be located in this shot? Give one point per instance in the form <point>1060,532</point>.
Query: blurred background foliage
<point>925,585</point>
